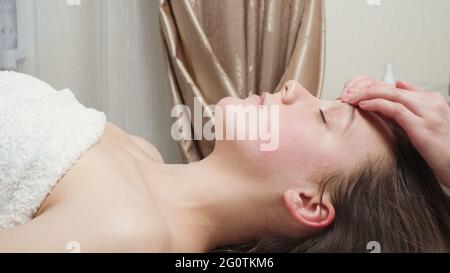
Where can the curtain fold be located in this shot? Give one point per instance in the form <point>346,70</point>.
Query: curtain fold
<point>218,48</point>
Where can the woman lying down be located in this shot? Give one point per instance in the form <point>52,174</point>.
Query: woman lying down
<point>341,178</point>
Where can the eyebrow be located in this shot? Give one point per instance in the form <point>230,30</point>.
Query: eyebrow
<point>351,117</point>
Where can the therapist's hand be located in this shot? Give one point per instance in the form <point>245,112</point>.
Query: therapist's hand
<point>424,116</point>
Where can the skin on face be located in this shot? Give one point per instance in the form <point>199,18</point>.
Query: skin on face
<point>316,137</point>
<point>337,138</point>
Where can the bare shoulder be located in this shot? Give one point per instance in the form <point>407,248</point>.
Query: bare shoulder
<point>149,148</point>
<point>67,228</point>
<point>135,231</point>
<point>115,134</point>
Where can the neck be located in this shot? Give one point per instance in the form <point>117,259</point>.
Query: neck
<point>214,203</point>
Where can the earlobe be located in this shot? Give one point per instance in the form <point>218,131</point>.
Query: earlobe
<point>309,208</point>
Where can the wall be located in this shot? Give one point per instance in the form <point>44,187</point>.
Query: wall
<point>414,35</point>
<point>108,52</point>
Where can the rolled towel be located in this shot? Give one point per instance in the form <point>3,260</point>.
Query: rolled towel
<point>43,132</point>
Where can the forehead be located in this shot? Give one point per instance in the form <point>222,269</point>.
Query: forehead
<point>371,134</point>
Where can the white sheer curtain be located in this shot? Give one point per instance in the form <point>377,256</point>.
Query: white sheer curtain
<point>109,53</point>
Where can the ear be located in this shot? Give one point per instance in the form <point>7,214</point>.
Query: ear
<point>309,208</point>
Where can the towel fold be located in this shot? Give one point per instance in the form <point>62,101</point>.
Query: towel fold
<point>43,132</point>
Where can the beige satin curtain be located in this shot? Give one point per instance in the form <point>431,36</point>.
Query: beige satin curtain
<point>220,48</point>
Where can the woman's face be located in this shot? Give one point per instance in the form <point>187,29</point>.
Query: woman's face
<point>315,136</point>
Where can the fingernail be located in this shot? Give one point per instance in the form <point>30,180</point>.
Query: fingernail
<point>353,99</point>
<point>363,104</point>
<point>404,83</point>
<point>349,97</point>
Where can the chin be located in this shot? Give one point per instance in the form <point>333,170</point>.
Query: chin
<point>229,101</point>
<point>251,100</point>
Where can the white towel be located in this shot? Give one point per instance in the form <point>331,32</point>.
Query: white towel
<point>43,132</point>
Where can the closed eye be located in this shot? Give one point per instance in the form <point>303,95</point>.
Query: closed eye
<point>322,115</point>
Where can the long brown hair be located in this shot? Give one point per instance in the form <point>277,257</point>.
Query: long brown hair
<point>401,206</point>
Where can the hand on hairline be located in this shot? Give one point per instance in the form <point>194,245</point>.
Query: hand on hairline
<point>425,116</point>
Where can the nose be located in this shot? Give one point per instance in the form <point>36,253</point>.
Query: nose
<point>293,91</point>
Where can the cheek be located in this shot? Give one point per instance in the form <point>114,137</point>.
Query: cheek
<point>306,151</point>
<point>298,149</point>
<point>231,113</point>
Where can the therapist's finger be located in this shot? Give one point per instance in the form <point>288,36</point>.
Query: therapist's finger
<point>406,86</point>
<point>362,84</point>
<point>357,83</point>
<point>410,100</point>
<point>394,110</point>
<point>357,86</point>
<point>351,82</point>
